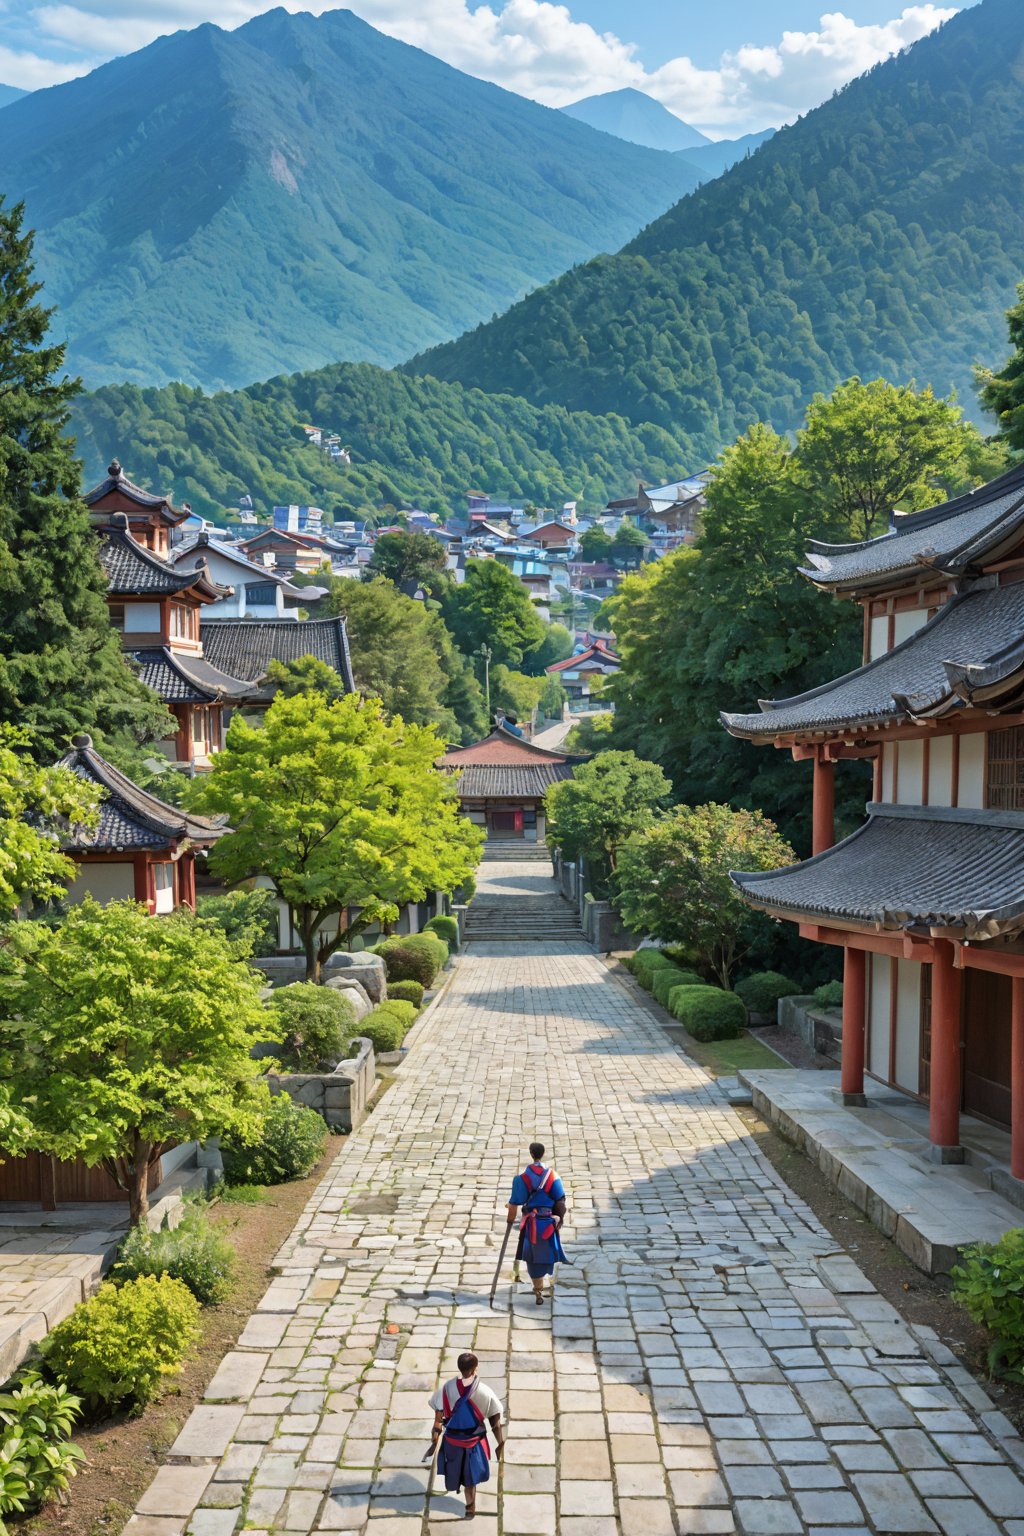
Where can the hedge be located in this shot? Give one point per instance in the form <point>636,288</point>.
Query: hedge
<point>405,992</point>
<point>707,1012</point>
<point>762,990</point>
<point>404,964</point>
<point>645,962</point>
<point>446,928</point>
<point>668,976</point>
<point>313,1024</point>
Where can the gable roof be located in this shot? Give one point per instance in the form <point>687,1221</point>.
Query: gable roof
<point>493,781</point>
<point>117,481</point>
<point>130,817</point>
<point>504,748</point>
<point>232,553</point>
<point>597,650</point>
<point>540,528</point>
<point>134,571</point>
<point>246,647</point>
<point>180,678</point>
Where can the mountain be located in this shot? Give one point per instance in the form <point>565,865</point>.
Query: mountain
<point>632,115</point>
<point>9,93</point>
<point>413,442</point>
<point>881,234</point>
<point>712,159</point>
<point>224,205</point>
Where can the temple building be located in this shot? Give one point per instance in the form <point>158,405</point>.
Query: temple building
<point>926,898</point>
<point>503,780</point>
<point>246,647</point>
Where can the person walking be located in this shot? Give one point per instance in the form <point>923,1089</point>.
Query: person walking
<point>463,1408</point>
<point>541,1194</point>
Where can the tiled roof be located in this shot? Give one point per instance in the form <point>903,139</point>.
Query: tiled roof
<point>948,538</point>
<point>973,643</point>
<point>909,867</point>
<point>491,781</point>
<point>133,571</point>
<point>179,679</point>
<point>117,480</point>
<point>598,652</point>
<point>505,748</point>
<point>246,647</point>
<point>130,817</point>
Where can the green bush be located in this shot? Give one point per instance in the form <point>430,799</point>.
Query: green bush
<point>400,1009</point>
<point>384,1029</point>
<point>113,1350</point>
<point>292,1140</point>
<point>829,994</point>
<point>466,891</point>
<point>430,944</point>
<point>313,1024</point>
<point>645,962</point>
<point>404,964</point>
<point>761,992</point>
<point>405,992</point>
<point>668,976</point>
<point>36,1461</point>
<point>707,1012</point>
<point>193,1252</point>
<point>247,918</point>
<point>446,928</point>
<point>989,1282</point>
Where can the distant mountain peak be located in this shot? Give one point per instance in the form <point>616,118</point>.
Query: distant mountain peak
<point>636,117</point>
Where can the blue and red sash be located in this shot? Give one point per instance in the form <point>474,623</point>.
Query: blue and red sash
<point>537,1222</point>
<point>463,1415</point>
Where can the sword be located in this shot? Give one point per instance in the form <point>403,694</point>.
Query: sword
<point>501,1260</point>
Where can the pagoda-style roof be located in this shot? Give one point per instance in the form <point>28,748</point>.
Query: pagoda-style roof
<point>920,868</point>
<point>504,748</point>
<point>134,571</point>
<point>970,653</point>
<point>180,678</point>
<point>130,817</point>
<point>117,483</point>
<point>493,781</point>
<point>246,647</point>
<point>945,540</point>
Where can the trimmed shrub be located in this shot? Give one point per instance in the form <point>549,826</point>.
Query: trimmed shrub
<point>989,1282</point>
<point>405,992</point>
<point>292,1140</point>
<point>466,891</point>
<point>313,1024</point>
<point>829,994</point>
<point>114,1349</point>
<point>385,1030</point>
<point>430,944</point>
<point>193,1252</point>
<point>36,1461</point>
<point>404,1012</point>
<point>446,928</point>
<point>668,976</point>
<point>404,964</point>
<point>708,1013</point>
<point>645,962</point>
<point>761,992</point>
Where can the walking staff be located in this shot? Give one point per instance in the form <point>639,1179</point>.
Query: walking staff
<point>540,1192</point>
<point>463,1408</point>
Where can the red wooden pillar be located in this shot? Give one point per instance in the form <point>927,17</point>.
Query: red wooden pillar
<point>823,814</point>
<point>140,864</point>
<point>1017,1079</point>
<point>187,875</point>
<point>945,1086</point>
<point>854,1021</point>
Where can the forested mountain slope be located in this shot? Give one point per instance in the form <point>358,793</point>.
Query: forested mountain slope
<point>222,206</point>
<point>883,233</point>
<point>414,442</point>
<point>9,93</point>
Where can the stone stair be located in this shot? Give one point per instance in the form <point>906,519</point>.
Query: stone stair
<point>514,851</point>
<point>515,919</point>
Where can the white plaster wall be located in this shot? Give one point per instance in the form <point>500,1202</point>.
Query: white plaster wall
<point>940,771</point>
<point>904,624</point>
<point>143,617</point>
<point>105,882</point>
<point>908,1024</point>
<point>878,637</point>
<point>910,778</point>
<point>888,771</point>
<point>972,771</point>
<point>878,1016</point>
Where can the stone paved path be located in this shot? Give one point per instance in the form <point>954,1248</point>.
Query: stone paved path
<point>711,1364</point>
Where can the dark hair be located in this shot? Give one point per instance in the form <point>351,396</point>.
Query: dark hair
<point>536,1149</point>
<point>467,1363</point>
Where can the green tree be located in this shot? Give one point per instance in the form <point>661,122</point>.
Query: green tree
<point>1002,393</point>
<point>516,693</point>
<point>61,665</point>
<point>628,544</point>
<point>340,808</point>
<point>129,1034</point>
<point>307,674</point>
<point>672,882</point>
<point>555,646</point>
<point>596,544</point>
<point>34,803</point>
<point>403,557</point>
<point>492,607</point>
<point>605,802</point>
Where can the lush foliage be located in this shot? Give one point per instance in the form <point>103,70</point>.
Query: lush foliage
<point>492,607</point>
<point>308,674</point>
<point>446,928</point>
<point>115,1350</point>
<point>36,1460</point>
<point>398,1008</point>
<point>668,976</point>
<point>384,1029</point>
<point>429,943</point>
<point>596,544</point>
<point>339,808</point>
<point>829,994</point>
<point>645,963</point>
<point>312,1024</point>
<point>193,1252</point>
<point>404,964</point>
<point>410,557</point>
<point>33,802</point>
<point>405,992</point>
<point>605,801</point>
<point>762,990</point>
<point>127,1036</point>
<point>289,1144</point>
<point>989,1282</point>
<point>247,918</point>
<point>672,882</point>
<point>707,1013</point>
<point>61,665</point>
<point>880,234</point>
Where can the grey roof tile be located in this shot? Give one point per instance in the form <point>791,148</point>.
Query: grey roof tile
<point>246,647</point>
<point>130,817</point>
<point>185,680</point>
<point>504,781</point>
<point>131,569</point>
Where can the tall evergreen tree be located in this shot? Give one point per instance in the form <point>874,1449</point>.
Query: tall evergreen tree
<point>61,667</point>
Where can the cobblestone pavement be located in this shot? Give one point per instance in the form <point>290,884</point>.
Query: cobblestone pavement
<point>712,1362</point>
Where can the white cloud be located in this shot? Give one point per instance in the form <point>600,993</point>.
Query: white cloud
<point>534,47</point>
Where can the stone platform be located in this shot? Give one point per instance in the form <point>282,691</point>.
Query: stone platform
<point>878,1158</point>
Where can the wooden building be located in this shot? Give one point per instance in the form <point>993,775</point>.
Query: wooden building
<point>245,648</point>
<point>581,674</point>
<point>503,780</point>
<point>926,898</point>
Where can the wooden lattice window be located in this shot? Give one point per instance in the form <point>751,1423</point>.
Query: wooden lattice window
<point>1006,769</point>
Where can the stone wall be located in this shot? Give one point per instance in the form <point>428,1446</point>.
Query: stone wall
<point>341,1096</point>
<point>366,969</point>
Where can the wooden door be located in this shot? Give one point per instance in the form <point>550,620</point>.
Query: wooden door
<point>986,1054</point>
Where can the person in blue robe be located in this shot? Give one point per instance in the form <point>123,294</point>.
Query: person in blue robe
<point>540,1193</point>
<point>463,1407</point>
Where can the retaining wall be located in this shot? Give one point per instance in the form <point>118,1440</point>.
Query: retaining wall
<point>341,1096</point>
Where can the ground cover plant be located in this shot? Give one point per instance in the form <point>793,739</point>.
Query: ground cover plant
<point>989,1282</point>
<point>289,1143</point>
<point>37,1460</point>
<point>193,1252</point>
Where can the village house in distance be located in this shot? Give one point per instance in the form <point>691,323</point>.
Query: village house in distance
<point>503,780</point>
<point>927,897</point>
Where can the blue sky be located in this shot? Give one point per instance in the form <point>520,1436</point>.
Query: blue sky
<point>727,67</point>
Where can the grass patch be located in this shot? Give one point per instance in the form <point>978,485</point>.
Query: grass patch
<point>724,1058</point>
<point>242,1194</point>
